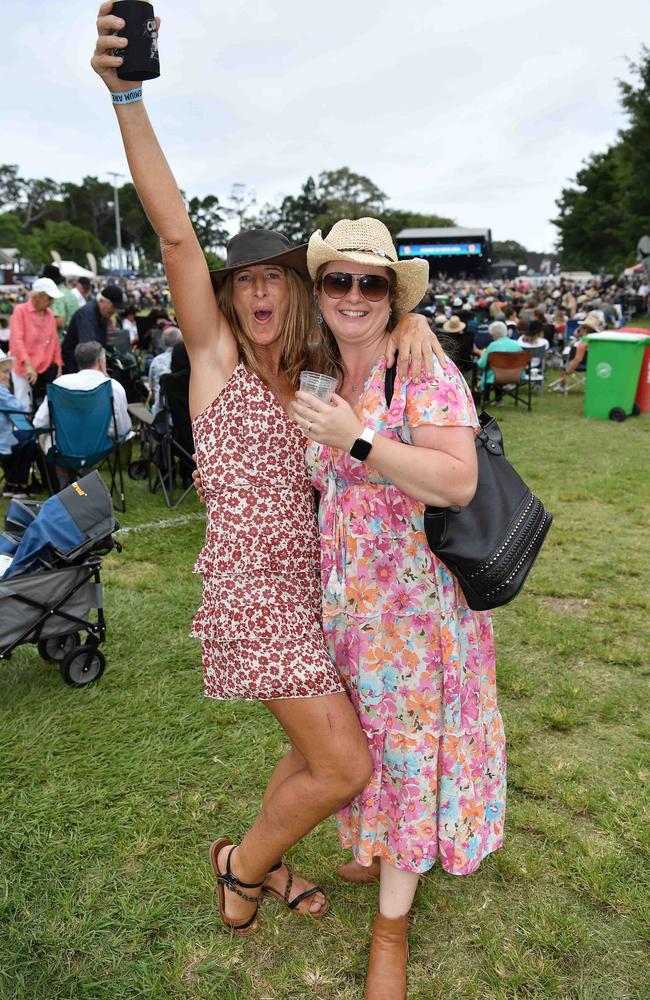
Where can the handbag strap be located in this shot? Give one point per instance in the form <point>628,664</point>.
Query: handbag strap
<point>389,382</point>
<point>489,436</point>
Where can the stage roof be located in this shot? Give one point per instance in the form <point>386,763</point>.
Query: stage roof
<point>451,231</point>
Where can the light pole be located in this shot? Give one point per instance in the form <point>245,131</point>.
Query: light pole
<point>118,226</point>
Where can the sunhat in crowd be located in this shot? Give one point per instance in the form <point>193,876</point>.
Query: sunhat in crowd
<point>261,246</point>
<point>47,285</point>
<point>592,323</point>
<point>5,358</point>
<point>367,241</point>
<point>454,325</point>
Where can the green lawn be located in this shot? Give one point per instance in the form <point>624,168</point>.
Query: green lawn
<point>110,796</point>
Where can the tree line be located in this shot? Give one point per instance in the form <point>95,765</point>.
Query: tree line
<point>606,208</point>
<point>601,213</point>
<point>38,215</point>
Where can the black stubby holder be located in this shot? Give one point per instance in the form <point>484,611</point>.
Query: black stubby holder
<point>141,61</point>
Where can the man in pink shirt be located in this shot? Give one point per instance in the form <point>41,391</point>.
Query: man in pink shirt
<point>34,343</point>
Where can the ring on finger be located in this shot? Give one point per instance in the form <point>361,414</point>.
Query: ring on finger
<point>309,423</point>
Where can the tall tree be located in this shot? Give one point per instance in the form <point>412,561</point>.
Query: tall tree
<point>589,220</point>
<point>635,143</point>
<point>297,216</point>
<point>10,186</point>
<point>32,199</point>
<point>607,207</point>
<point>207,217</point>
<point>71,242</point>
<point>348,195</point>
<point>90,205</point>
<point>10,229</point>
<point>137,231</point>
<point>396,219</point>
<point>509,250</point>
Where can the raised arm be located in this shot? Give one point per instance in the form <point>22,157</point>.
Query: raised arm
<point>206,333</point>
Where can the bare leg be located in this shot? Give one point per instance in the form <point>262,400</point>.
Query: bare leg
<point>292,762</point>
<point>386,978</point>
<point>396,890</point>
<point>326,733</point>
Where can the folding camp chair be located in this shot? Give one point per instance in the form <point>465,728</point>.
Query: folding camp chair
<point>166,442</point>
<point>577,378</point>
<point>508,368</point>
<point>22,423</point>
<point>80,420</point>
<point>176,444</point>
<point>537,357</point>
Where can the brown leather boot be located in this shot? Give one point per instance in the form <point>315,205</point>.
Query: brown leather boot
<point>388,954</point>
<point>354,872</point>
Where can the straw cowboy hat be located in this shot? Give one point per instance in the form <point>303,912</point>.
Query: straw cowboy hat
<point>453,325</point>
<point>260,246</point>
<point>592,323</point>
<point>367,241</point>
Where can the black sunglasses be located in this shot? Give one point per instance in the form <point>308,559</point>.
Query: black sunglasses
<point>337,284</point>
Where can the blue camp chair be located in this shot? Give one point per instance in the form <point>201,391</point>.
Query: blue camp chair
<point>22,425</point>
<point>79,423</point>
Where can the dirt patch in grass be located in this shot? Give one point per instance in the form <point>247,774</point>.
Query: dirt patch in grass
<point>578,607</point>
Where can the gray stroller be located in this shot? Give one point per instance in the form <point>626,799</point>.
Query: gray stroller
<point>50,577</point>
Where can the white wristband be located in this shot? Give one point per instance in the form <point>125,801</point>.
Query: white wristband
<point>127,96</point>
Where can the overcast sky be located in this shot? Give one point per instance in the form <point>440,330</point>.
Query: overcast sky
<point>477,111</point>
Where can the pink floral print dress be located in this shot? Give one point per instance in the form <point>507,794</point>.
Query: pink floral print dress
<point>417,662</point>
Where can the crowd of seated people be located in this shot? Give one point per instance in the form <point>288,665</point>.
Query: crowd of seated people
<point>532,314</point>
<point>552,313</point>
<point>133,328</point>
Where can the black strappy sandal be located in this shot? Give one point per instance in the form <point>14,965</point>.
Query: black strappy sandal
<point>228,880</point>
<point>295,903</point>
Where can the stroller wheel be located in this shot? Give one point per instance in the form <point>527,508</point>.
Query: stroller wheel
<point>82,665</point>
<point>54,649</point>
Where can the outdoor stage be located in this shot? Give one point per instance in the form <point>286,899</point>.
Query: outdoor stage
<point>453,252</point>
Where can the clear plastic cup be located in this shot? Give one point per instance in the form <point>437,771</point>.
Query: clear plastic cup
<point>319,385</point>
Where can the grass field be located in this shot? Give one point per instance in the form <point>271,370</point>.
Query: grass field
<point>110,796</point>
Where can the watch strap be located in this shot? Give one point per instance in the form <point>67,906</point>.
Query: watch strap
<point>361,447</point>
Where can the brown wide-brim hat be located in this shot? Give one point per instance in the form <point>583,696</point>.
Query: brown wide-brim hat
<point>368,241</point>
<point>261,246</point>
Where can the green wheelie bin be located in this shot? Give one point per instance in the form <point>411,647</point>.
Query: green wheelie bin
<point>613,365</point>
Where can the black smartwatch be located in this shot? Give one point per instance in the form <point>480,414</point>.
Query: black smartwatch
<point>361,447</point>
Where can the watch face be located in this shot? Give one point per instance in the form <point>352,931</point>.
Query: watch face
<point>360,449</point>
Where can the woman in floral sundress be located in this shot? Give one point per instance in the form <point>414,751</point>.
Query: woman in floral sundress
<point>417,662</point>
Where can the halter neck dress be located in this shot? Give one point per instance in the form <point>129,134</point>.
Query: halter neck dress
<point>260,621</point>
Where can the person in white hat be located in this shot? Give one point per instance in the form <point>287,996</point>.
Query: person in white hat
<point>17,448</point>
<point>248,330</point>
<point>34,343</point>
<point>419,664</point>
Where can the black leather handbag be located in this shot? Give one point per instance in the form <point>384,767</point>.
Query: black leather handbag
<point>490,545</point>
